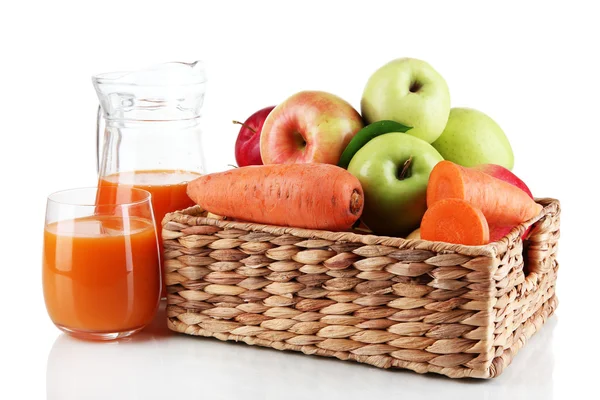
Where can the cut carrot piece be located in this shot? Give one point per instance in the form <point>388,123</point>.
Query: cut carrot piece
<point>500,202</point>
<point>455,221</point>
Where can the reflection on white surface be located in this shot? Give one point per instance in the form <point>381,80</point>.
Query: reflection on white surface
<point>157,363</point>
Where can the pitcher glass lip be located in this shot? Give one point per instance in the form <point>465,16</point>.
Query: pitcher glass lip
<point>196,75</point>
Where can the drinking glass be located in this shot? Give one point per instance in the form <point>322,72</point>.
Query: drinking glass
<point>101,265</point>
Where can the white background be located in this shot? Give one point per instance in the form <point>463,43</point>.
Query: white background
<point>532,66</point>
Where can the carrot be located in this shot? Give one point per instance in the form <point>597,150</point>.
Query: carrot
<point>455,221</point>
<point>313,196</point>
<point>500,202</point>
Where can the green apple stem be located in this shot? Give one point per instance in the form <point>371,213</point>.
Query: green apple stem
<point>244,125</point>
<point>405,172</point>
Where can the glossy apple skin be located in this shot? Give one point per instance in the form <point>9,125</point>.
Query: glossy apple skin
<point>247,144</point>
<point>409,91</point>
<point>472,138</point>
<point>394,207</point>
<point>497,232</point>
<point>309,127</point>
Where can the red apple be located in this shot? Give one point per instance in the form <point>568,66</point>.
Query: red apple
<point>497,171</point>
<point>247,144</point>
<point>309,127</point>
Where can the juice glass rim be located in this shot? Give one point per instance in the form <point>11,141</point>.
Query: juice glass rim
<point>146,197</point>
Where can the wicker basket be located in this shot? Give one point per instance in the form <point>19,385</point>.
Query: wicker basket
<point>460,311</point>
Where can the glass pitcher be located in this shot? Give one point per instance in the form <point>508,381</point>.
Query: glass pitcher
<point>152,136</point>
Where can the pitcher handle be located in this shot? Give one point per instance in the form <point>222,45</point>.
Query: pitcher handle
<point>98,122</point>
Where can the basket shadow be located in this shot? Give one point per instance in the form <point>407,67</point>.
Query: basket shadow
<point>152,362</point>
<point>531,369</point>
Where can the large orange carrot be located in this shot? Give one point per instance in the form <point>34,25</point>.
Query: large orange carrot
<point>455,221</point>
<point>500,202</point>
<point>314,196</point>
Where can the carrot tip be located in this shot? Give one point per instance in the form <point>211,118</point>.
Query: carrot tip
<point>356,202</point>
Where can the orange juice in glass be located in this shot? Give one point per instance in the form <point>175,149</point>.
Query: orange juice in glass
<point>100,271</point>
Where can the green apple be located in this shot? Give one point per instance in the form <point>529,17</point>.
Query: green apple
<point>411,92</point>
<point>472,138</point>
<point>393,170</point>
<point>416,234</point>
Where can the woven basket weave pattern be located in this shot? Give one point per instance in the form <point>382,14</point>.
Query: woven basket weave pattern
<point>461,311</point>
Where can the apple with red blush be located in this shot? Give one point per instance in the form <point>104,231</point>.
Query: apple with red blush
<point>247,144</point>
<point>309,127</point>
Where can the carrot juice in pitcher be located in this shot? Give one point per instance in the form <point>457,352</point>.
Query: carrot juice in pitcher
<point>167,189</point>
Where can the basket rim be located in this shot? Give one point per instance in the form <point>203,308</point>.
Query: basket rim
<point>191,216</point>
